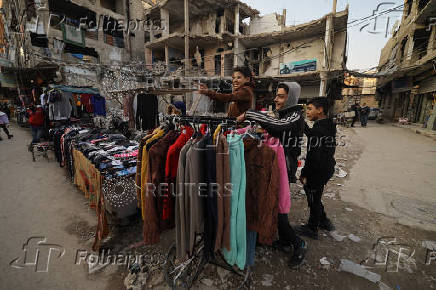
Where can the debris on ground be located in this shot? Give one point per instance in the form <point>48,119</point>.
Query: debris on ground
<point>358,270</point>
<point>341,173</point>
<point>348,209</point>
<point>383,286</point>
<point>325,264</point>
<point>336,236</point>
<point>207,282</point>
<point>354,238</point>
<point>267,280</point>
<point>429,245</point>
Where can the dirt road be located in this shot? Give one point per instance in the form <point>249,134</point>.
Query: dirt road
<point>385,201</point>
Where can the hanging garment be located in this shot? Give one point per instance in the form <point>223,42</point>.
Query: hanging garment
<point>60,105</point>
<point>222,239</point>
<point>180,219</point>
<point>144,168</point>
<point>99,105</point>
<point>174,152</point>
<point>211,212</point>
<point>194,198</point>
<point>147,112</point>
<point>139,164</point>
<point>238,241</point>
<point>262,190</point>
<point>284,190</point>
<point>157,157</point>
<point>85,99</point>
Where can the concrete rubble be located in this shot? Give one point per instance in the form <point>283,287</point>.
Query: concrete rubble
<point>336,236</point>
<point>358,270</point>
<point>354,238</point>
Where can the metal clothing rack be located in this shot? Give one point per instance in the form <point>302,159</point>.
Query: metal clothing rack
<point>205,259</point>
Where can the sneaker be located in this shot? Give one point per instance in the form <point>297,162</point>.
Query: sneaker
<point>281,246</point>
<point>307,231</point>
<point>327,225</point>
<point>298,257</point>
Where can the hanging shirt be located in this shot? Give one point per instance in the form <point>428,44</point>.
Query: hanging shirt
<point>99,105</point>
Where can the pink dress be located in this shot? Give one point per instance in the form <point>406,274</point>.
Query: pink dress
<point>284,191</point>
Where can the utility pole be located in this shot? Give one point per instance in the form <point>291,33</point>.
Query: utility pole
<point>329,43</point>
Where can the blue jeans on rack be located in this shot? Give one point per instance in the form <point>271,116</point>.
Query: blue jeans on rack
<point>251,247</point>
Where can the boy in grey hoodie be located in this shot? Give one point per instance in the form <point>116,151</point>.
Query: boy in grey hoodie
<point>288,126</point>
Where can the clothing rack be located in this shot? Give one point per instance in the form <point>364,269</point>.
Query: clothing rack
<point>201,119</point>
<point>215,121</point>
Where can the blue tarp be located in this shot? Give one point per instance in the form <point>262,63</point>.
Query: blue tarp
<point>76,90</point>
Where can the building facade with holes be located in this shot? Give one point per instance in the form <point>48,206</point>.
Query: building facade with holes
<point>407,67</point>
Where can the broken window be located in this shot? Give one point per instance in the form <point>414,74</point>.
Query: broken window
<point>422,4</point>
<point>115,6</point>
<point>408,7</point>
<point>420,43</point>
<point>74,49</point>
<point>39,40</point>
<point>113,32</point>
<point>218,64</point>
<point>403,49</point>
<point>228,64</point>
<point>230,26</point>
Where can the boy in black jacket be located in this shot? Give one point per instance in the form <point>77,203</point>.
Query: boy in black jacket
<point>319,166</point>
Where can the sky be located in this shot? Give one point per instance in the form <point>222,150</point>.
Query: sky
<point>364,44</point>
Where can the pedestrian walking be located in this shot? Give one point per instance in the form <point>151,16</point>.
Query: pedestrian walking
<point>4,121</point>
<point>364,114</point>
<point>356,109</point>
<point>319,166</point>
<point>36,121</point>
<point>288,126</point>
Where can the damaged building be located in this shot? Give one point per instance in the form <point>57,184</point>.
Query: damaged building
<point>210,38</point>
<point>71,42</point>
<point>407,67</point>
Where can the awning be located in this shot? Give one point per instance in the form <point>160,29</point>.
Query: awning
<point>77,90</point>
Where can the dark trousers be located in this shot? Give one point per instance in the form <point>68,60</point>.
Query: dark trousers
<point>363,120</point>
<point>317,213</point>
<point>286,232</point>
<point>5,129</point>
<point>36,133</point>
<point>354,120</point>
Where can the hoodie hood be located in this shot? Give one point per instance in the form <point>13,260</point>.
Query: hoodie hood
<point>293,95</point>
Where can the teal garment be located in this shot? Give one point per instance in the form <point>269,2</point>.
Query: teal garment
<point>238,231</point>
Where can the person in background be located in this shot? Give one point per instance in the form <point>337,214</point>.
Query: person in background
<point>364,114</point>
<point>319,166</point>
<point>288,127</point>
<point>36,121</point>
<point>242,97</point>
<point>356,109</point>
<point>4,121</point>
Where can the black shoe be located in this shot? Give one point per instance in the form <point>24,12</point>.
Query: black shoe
<point>282,246</point>
<point>327,225</point>
<point>307,231</point>
<point>10,136</point>
<point>298,257</point>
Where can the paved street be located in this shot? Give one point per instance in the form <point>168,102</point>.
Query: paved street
<point>38,201</point>
<point>395,175</point>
